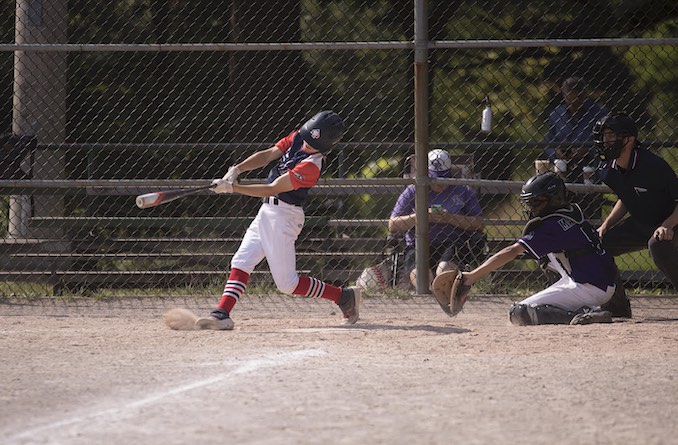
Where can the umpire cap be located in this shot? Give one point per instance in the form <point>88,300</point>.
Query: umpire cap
<point>323,130</point>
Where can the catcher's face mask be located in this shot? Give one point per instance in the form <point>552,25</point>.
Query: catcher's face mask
<point>535,206</point>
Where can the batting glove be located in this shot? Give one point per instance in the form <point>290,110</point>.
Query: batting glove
<point>222,186</point>
<point>232,174</point>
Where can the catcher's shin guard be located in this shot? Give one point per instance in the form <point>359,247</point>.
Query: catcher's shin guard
<point>525,314</point>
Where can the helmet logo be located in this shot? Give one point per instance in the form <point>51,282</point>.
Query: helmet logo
<point>315,133</point>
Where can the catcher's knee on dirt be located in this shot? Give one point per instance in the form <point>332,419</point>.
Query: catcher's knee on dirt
<point>526,315</point>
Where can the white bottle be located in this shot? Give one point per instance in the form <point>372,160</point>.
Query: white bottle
<point>486,122</point>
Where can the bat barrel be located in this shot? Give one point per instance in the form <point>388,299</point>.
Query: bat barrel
<point>149,200</point>
<point>157,198</point>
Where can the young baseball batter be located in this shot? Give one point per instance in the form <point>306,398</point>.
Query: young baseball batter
<point>557,232</point>
<point>280,219</point>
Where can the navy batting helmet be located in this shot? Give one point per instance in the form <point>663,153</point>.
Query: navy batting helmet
<point>543,194</point>
<point>622,125</point>
<point>323,130</point>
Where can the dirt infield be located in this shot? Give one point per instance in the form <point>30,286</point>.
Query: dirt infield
<point>84,372</point>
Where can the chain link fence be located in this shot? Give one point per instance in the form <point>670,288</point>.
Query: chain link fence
<point>102,101</point>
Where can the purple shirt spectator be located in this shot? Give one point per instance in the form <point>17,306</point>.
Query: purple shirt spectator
<point>455,199</point>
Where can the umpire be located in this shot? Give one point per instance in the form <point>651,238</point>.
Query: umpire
<point>647,189</point>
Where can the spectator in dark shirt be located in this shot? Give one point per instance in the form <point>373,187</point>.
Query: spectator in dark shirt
<point>569,151</point>
<point>647,188</point>
<point>571,123</point>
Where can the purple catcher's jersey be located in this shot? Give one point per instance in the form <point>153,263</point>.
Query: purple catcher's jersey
<point>572,246</point>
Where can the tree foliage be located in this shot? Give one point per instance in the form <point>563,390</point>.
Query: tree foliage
<point>200,96</point>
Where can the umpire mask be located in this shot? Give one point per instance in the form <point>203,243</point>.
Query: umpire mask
<point>622,126</point>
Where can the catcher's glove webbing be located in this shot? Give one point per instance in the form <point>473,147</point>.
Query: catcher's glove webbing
<point>450,291</point>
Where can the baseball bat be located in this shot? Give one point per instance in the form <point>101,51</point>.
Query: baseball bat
<point>164,196</point>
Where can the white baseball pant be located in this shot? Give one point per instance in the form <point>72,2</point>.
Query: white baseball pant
<point>272,235</point>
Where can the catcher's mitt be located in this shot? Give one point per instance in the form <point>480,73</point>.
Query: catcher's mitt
<point>450,291</point>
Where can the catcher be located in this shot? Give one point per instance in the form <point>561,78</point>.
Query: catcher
<point>560,238</point>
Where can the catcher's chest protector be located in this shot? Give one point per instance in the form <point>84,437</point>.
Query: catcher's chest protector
<point>572,213</point>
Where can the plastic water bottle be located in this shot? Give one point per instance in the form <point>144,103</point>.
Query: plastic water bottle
<point>486,122</point>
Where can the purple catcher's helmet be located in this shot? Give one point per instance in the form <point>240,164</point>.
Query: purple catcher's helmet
<point>546,188</point>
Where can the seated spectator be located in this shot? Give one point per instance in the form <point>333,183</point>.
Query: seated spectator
<point>455,222</point>
<point>571,123</point>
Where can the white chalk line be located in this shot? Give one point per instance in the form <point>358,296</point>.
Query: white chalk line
<point>347,330</point>
<point>267,361</point>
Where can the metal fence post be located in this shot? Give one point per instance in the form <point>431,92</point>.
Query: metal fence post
<point>39,101</point>
<point>421,142</point>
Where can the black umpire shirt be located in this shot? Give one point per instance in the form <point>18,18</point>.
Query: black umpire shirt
<point>648,188</point>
